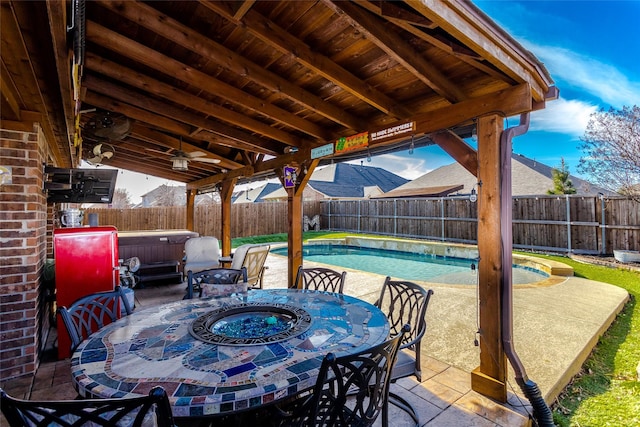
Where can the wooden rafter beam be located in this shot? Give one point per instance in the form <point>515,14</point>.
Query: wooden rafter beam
<point>164,64</point>
<point>175,95</point>
<point>186,37</point>
<point>455,146</point>
<point>449,46</point>
<point>276,37</point>
<point>469,25</point>
<point>243,139</point>
<point>397,48</point>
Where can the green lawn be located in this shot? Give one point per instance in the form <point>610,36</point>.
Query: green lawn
<point>607,391</point>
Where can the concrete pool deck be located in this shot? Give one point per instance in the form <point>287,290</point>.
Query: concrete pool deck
<point>555,329</point>
<point>555,326</point>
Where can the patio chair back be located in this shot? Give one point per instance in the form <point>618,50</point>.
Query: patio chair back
<point>252,257</point>
<point>151,410</point>
<point>92,312</point>
<point>201,253</point>
<point>406,303</point>
<point>215,276</point>
<point>351,390</point>
<point>320,279</point>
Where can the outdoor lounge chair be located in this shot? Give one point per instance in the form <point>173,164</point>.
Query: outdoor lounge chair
<point>201,253</point>
<point>252,257</point>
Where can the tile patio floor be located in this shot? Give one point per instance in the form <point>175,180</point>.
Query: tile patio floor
<point>444,397</point>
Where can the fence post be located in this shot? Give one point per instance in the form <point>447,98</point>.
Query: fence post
<point>442,217</point>
<point>395,217</point>
<point>603,226</point>
<point>358,216</point>
<point>566,197</point>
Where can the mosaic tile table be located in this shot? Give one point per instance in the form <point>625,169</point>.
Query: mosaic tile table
<point>204,378</point>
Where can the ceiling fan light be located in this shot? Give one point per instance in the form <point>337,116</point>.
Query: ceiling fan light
<point>180,164</point>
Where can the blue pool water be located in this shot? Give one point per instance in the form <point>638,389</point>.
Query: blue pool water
<point>406,265</point>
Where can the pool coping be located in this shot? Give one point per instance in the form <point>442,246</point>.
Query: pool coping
<point>557,271</point>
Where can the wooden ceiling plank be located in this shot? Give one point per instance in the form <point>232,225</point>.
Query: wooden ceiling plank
<point>451,47</point>
<point>397,48</point>
<point>244,139</point>
<point>171,29</point>
<point>148,84</point>
<point>272,34</point>
<point>164,64</point>
<point>468,24</point>
<point>9,93</point>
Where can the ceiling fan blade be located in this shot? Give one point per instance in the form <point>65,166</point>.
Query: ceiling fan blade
<point>107,154</point>
<point>95,160</point>
<point>206,160</point>
<point>196,154</point>
<point>97,149</point>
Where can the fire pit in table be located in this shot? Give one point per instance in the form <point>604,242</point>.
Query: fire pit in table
<point>250,323</point>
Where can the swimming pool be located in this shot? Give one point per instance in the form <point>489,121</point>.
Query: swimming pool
<point>406,265</point>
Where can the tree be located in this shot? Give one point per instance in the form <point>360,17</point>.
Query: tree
<point>561,182</point>
<point>612,150</point>
<point>121,199</point>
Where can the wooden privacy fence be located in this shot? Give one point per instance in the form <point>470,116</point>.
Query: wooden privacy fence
<point>574,224</point>
<point>247,219</point>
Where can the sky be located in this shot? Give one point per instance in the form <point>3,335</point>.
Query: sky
<point>592,52</point>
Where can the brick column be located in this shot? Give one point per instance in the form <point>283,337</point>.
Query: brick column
<point>23,249</point>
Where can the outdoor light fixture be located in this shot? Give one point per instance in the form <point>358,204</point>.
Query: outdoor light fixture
<point>473,197</point>
<point>180,163</point>
<point>411,146</point>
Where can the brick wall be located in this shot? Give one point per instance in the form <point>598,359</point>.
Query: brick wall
<point>23,250</point>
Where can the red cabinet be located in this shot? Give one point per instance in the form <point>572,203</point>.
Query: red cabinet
<point>86,261</point>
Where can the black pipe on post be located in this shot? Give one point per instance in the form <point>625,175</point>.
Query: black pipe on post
<point>541,412</point>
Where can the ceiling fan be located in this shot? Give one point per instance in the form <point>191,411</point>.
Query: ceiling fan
<point>106,126</point>
<point>180,160</point>
<point>100,152</point>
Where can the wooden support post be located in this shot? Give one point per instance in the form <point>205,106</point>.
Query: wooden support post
<point>294,215</point>
<point>191,210</point>
<point>225,227</point>
<point>294,238</point>
<point>490,377</point>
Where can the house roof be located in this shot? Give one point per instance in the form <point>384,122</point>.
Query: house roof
<point>255,195</point>
<point>528,177</point>
<point>345,180</point>
<point>441,191</point>
<point>241,82</point>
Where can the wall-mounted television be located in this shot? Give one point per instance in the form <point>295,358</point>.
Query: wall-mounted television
<point>79,185</point>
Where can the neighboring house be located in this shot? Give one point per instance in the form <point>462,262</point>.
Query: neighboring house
<point>255,195</point>
<point>344,181</point>
<point>165,195</point>
<point>528,178</point>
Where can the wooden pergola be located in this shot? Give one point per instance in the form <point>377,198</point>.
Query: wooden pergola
<point>245,89</point>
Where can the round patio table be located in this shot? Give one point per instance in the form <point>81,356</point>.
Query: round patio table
<point>215,357</point>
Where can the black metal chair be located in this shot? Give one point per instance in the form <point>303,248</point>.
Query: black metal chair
<point>151,410</point>
<point>214,276</point>
<point>405,303</point>
<point>350,390</point>
<point>92,312</point>
<point>320,279</point>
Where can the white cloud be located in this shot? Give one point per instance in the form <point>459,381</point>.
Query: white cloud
<point>588,74</point>
<point>563,116</point>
